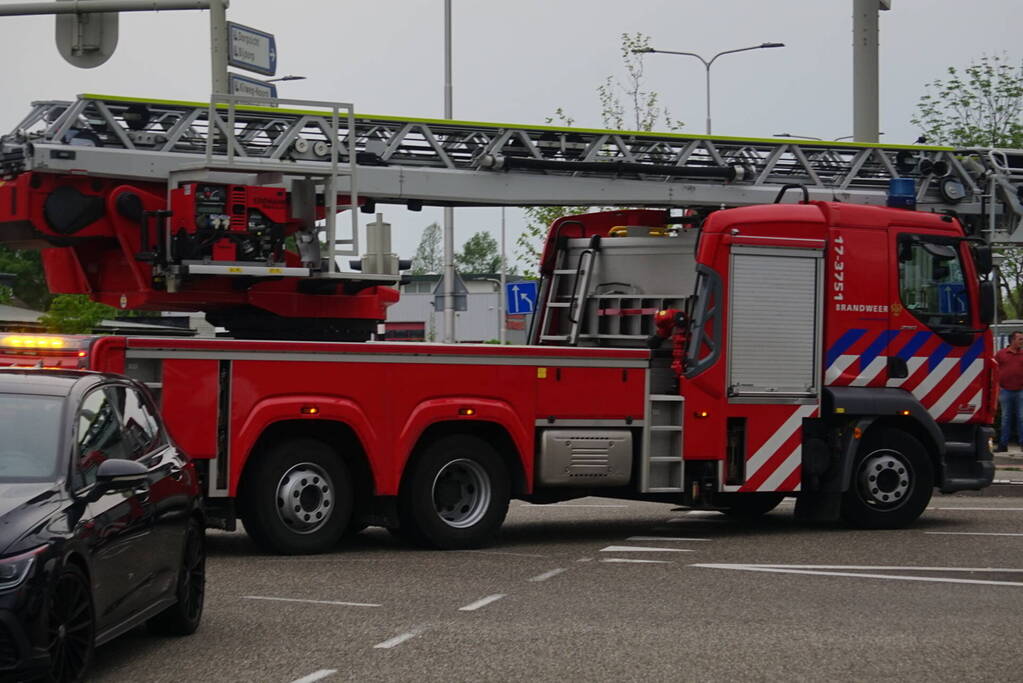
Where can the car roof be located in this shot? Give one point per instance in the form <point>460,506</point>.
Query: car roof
<point>43,381</point>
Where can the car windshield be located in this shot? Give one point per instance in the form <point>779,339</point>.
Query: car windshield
<point>30,429</point>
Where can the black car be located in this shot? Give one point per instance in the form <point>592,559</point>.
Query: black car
<point>101,521</point>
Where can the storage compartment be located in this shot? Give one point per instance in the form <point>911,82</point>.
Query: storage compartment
<point>585,458</point>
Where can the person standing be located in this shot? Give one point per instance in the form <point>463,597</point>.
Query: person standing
<point>1010,379</point>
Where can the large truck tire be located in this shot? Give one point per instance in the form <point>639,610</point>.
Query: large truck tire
<point>456,495</point>
<point>892,481</point>
<point>296,498</point>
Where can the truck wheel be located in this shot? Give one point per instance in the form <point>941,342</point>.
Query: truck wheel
<point>456,495</point>
<point>750,505</point>
<point>892,481</point>
<point>297,498</point>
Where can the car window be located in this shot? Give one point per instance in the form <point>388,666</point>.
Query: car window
<point>99,436</point>
<point>30,436</point>
<point>138,421</point>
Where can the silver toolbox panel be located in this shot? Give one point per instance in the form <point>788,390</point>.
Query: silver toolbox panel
<point>774,322</point>
<point>574,457</point>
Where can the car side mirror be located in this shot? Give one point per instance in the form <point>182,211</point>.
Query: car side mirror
<point>987,302</point>
<point>120,475</point>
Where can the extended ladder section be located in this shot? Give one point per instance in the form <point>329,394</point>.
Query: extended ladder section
<point>428,161</point>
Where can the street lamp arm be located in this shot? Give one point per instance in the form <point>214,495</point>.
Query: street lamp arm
<point>674,52</point>
<point>744,49</point>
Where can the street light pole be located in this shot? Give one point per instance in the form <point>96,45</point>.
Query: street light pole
<point>707,63</point>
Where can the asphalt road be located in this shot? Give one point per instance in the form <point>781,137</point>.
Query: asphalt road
<point>601,590</point>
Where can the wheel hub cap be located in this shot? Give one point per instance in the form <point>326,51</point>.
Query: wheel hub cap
<point>461,493</point>
<point>305,498</point>
<point>884,479</point>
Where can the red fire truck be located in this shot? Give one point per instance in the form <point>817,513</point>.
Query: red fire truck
<point>832,352</point>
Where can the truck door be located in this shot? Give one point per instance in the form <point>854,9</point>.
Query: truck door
<point>937,354</point>
<point>773,373</point>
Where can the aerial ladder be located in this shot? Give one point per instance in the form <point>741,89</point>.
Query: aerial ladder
<point>220,206</point>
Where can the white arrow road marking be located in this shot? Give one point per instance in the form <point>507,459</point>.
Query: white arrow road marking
<point>314,602</point>
<point>482,602</point>
<point>641,549</point>
<point>315,676</point>
<point>831,570</point>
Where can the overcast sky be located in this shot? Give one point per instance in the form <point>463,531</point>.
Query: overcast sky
<point>518,61</point>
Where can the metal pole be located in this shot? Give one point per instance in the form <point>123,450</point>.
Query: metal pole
<point>502,322</point>
<point>707,65</point>
<point>449,213</point>
<point>865,67</point>
<point>93,6</point>
<point>218,46</point>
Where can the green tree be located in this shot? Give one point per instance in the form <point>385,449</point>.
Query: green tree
<point>624,104</point>
<point>30,286</point>
<point>429,258</point>
<point>978,106</point>
<point>75,314</point>
<point>6,294</point>
<point>480,254</point>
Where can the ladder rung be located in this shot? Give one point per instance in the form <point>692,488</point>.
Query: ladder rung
<point>665,428</point>
<point>558,304</point>
<point>564,271</point>
<point>666,489</point>
<point>665,458</point>
<point>554,337</point>
<point>666,397</point>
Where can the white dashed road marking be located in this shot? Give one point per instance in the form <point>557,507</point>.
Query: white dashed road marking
<point>641,549</point>
<point>969,533</point>
<point>397,640</point>
<point>832,570</point>
<point>314,602</point>
<point>315,676</point>
<point>623,560</point>
<point>482,602</point>
<point>557,506</point>
<point>548,575</point>
<point>664,538</point>
<point>980,509</point>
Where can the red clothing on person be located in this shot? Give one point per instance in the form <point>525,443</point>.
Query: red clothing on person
<point>1010,369</point>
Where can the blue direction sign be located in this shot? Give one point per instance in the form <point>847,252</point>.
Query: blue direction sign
<point>521,297</point>
<point>251,49</point>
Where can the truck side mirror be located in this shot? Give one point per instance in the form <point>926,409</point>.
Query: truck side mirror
<point>982,258</point>
<point>987,302</point>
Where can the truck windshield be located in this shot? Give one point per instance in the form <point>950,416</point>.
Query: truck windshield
<point>931,283</point>
<point>30,428</point>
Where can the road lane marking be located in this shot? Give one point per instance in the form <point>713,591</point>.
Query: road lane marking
<point>315,676</point>
<point>314,602</point>
<point>498,552</point>
<point>642,549</point>
<point>585,559</point>
<point>625,560</point>
<point>548,575</point>
<point>970,533</point>
<point>568,505</point>
<point>829,570</point>
<point>482,602</point>
<point>664,538</point>
<point>1009,509</point>
<point>398,640</point>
